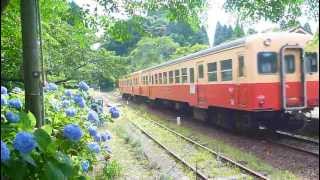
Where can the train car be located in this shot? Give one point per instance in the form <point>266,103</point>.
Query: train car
<point>260,80</point>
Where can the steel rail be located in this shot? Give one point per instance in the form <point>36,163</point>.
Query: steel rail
<point>296,148</point>
<point>298,137</point>
<point>199,174</point>
<point>224,158</point>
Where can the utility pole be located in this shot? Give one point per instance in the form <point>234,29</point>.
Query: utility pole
<point>31,59</point>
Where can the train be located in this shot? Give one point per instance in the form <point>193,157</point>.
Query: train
<point>262,80</point>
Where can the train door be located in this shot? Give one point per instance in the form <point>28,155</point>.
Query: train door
<point>292,78</point>
<point>242,92</point>
<point>200,80</point>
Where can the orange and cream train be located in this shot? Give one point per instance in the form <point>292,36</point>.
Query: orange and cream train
<point>264,79</point>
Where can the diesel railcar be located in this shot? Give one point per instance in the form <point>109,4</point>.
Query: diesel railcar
<point>260,80</point>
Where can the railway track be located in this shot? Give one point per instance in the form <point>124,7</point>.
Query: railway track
<point>202,173</point>
<point>297,142</point>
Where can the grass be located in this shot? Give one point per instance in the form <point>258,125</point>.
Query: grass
<point>252,161</point>
<point>112,170</point>
<point>190,153</point>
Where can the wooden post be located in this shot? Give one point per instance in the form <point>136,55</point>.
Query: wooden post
<point>31,59</point>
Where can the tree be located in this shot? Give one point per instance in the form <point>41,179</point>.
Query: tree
<point>273,10</point>
<point>238,31</point>
<point>307,27</point>
<point>152,51</point>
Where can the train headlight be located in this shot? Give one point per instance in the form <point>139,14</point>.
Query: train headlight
<point>261,100</point>
<point>267,42</point>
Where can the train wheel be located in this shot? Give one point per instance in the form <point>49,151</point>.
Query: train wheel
<point>225,119</point>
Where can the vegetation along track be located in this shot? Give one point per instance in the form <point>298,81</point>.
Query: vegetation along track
<point>298,143</point>
<point>205,162</point>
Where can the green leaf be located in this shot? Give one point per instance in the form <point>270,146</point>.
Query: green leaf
<point>25,123</point>
<point>29,159</point>
<point>48,128</point>
<point>33,120</point>
<point>52,172</point>
<point>64,163</point>
<point>15,166</point>
<point>43,139</point>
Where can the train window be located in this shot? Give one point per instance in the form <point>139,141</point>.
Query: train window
<point>160,78</point>
<point>184,75</point>
<point>156,78</point>
<point>241,66</point>
<point>200,71</point>
<point>311,62</point>
<point>290,65</point>
<point>267,62</point>
<point>212,71</point>
<point>191,72</point>
<point>177,75</point>
<point>226,70</point>
<point>165,78</point>
<point>170,77</point>
<point>152,80</point>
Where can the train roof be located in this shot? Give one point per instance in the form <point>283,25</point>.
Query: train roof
<point>227,45</point>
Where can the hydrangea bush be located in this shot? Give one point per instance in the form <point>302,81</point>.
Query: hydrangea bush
<point>66,147</point>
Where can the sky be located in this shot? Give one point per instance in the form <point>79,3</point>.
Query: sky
<point>215,13</point>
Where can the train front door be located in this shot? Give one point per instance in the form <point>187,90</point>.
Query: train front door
<point>200,88</point>
<point>292,78</point>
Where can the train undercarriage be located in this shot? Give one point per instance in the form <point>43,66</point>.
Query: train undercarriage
<point>234,120</point>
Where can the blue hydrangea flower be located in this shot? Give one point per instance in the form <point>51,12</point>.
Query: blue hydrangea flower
<point>52,87</point>
<point>15,103</point>
<point>112,109</point>
<point>115,114</point>
<point>3,100</point>
<point>68,92</point>
<point>105,136</point>
<point>85,165</point>
<point>78,99</point>
<point>4,90</point>
<point>107,148</point>
<point>16,90</point>
<point>97,137</point>
<point>83,86</point>
<point>24,142</point>
<point>72,132</point>
<point>12,117</point>
<point>70,112</point>
<point>93,116</point>
<point>94,147</point>
<point>65,103</point>
<point>92,130</point>
<point>5,152</point>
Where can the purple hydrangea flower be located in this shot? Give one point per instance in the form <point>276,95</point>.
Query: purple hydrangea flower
<point>83,86</point>
<point>93,116</point>
<point>3,100</point>
<point>72,132</point>
<point>5,152</point>
<point>24,142</point>
<point>68,92</point>
<point>85,165</point>
<point>12,117</point>
<point>70,112</point>
<point>52,87</point>
<point>15,103</point>
<point>92,130</point>
<point>4,90</point>
<point>94,147</point>
<point>112,109</point>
